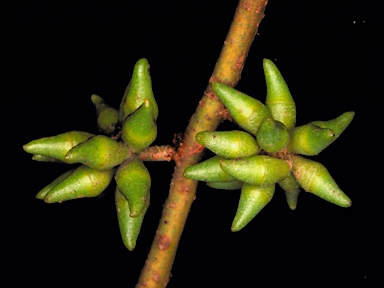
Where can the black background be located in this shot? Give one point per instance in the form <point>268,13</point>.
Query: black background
<point>60,54</point>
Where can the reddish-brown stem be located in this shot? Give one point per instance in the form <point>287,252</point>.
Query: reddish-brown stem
<point>209,112</point>
<point>158,153</point>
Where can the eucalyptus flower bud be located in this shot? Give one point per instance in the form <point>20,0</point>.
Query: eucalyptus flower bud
<point>313,177</point>
<point>208,171</point>
<point>129,226</point>
<point>229,144</point>
<point>139,88</point>
<point>252,200</point>
<point>291,189</point>
<point>257,170</point>
<point>279,100</point>
<point>83,182</point>
<point>248,112</point>
<point>272,135</point>
<point>43,158</point>
<point>309,139</point>
<point>41,194</point>
<point>56,146</point>
<point>134,182</point>
<point>337,125</point>
<point>107,117</point>
<point>139,129</point>
<point>99,152</point>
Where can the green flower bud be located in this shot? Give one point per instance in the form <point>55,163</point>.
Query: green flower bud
<point>208,171</point>
<point>337,125</point>
<point>41,194</point>
<point>139,129</point>
<point>225,185</point>
<point>107,117</point>
<point>229,144</point>
<point>56,146</point>
<point>134,182</point>
<point>248,112</point>
<point>279,100</point>
<point>99,152</point>
<point>291,189</point>
<point>139,88</point>
<point>129,226</point>
<point>309,139</point>
<point>257,170</point>
<point>272,135</point>
<point>83,182</point>
<point>313,177</point>
<point>252,200</point>
<point>43,158</point>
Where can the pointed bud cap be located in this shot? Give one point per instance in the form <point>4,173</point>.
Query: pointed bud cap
<point>313,177</point>
<point>139,88</point>
<point>309,139</point>
<point>139,129</point>
<point>134,182</point>
<point>99,152</point>
<point>107,117</point>
<point>272,135</point>
<point>225,185</point>
<point>129,226</point>
<point>279,100</point>
<point>229,144</point>
<point>257,170</point>
<point>41,194</point>
<point>56,146</point>
<point>208,171</point>
<point>248,112</point>
<point>252,200</point>
<point>337,125</point>
<point>98,102</point>
<point>84,182</point>
<point>292,197</point>
<point>291,189</point>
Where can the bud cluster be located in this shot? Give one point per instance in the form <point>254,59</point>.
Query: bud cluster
<point>104,157</point>
<point>269,151</point>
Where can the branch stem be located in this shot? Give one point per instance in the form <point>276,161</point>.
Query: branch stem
<point>158,153</point>
<point>209,112</point>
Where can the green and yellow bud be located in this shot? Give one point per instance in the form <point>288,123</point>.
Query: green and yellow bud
<point>107,117</point>
<point>337,125</point>
<point>229,144</point>
<point>313,177</point>
<point>134,182</point>
<point>84,182</point>
<point>257,170</point>
<point>139,129</point>
<point>225,185</point>
<point>41,194</point>
<point>272,135</point>
<point>248,112</point>
<point>99,152</point>
<point>208,171</point>
<point>279,100</point>
<point>139,88</point>
<point>56,146</point>
<point>291,189</point>
<point>309,139</point>
<point>252,200</point>
<point>129,226</point>
<point>43,158</point>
